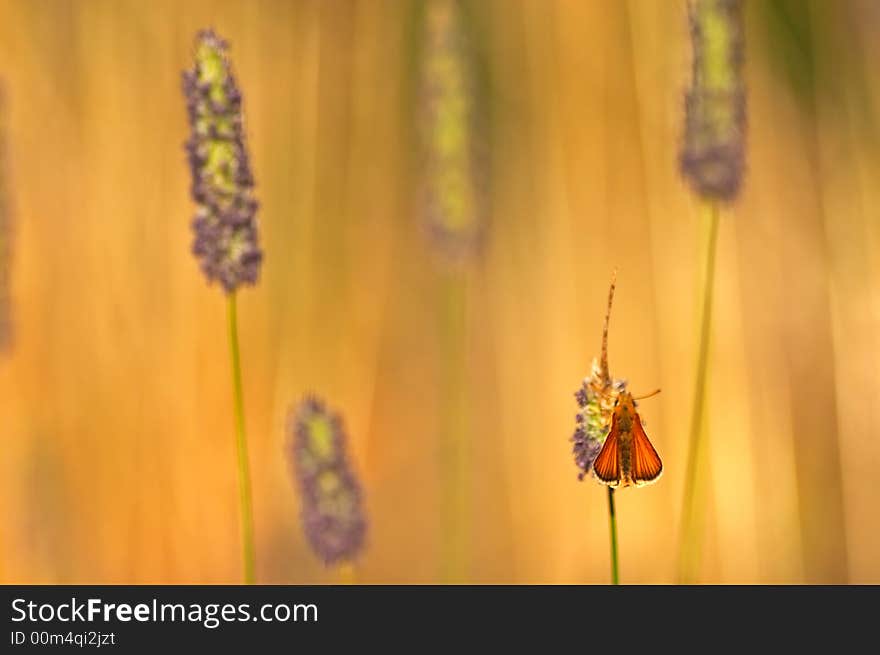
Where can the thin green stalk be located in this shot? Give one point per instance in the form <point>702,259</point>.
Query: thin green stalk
<point>612,520</point>
<point>244,476</point>
<point>454,437</point>
<point>689,548</point>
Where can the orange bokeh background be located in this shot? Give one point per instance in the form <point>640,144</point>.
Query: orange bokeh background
<point>115,403</point>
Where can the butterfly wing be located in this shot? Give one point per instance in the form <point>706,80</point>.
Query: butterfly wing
<point>646,464</point>
<point>606,467</point>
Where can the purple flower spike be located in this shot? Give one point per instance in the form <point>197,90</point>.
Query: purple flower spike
<point>225,226</point>
<point>713,154</point>
<point>332,504</point>
<point>454,151</point>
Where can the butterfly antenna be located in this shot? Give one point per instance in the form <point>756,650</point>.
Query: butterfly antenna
<point>647,395</point>
<point>603,361</point>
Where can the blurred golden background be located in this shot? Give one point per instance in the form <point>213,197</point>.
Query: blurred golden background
<point>115,399</point>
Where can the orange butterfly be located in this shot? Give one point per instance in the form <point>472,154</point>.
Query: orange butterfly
<point>627,457</point>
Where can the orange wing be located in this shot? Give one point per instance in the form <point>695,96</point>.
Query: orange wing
<point>607,465</point>
<point>646,464</point>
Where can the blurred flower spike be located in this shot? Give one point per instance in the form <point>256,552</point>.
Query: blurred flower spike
<point>225,225</point>
<point>453,197</point>
<point>595,400</point>
<point>713,154</point>
<point>332,504</point>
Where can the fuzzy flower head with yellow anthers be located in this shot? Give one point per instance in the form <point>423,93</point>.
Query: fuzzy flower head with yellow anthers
<point>224,225</point>
<point>332,512</point>
<point>596,399</point>
<point>609,438</point>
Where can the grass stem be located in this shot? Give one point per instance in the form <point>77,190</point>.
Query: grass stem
<point>454,445</point>
<point>690,538</point>
<point>244,476</point>
<point>612,521</point>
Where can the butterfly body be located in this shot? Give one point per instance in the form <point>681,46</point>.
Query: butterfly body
<point>627,457</point>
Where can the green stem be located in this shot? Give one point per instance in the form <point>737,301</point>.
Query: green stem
<point>455,439</point>
<point>244,476</point>
<point>690,537</point>
<point>612,520</point>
